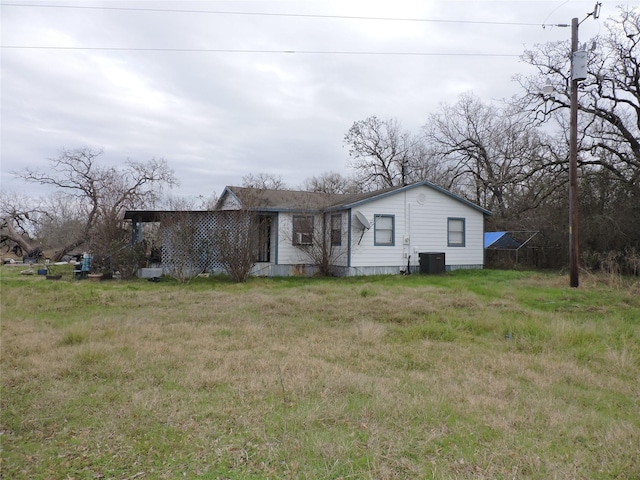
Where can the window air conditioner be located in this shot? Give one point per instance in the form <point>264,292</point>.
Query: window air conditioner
<point>303,238</point>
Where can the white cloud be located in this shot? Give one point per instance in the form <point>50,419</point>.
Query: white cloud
<point>217,116</point>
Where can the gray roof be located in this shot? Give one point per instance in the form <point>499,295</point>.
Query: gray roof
<point>277,200</point>
<point>266,200</point>
<point>292,200</point>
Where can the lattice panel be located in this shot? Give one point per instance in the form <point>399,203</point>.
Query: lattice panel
<point>189,239</point>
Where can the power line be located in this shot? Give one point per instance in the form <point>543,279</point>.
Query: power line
<point>230,50</point>
<point>266,14</point>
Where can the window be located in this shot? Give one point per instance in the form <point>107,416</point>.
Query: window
<point>384,230</point>
<point>455,232</point>
<point>336,230</point>
<point>302,229</point>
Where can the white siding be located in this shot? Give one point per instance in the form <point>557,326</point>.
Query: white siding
<point>289,254</point>
<point>340,254</point>
<point>229,202</point>
<point>420,225</point>
<point>363,251</point>
<point>421,215</point>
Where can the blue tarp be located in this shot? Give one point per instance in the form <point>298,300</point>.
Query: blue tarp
<point>491,237</point>
<point>500,240</point>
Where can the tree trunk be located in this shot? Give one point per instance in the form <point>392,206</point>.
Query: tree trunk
<point>10,234</point>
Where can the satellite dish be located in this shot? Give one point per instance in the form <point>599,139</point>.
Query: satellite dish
<point>362,219</point>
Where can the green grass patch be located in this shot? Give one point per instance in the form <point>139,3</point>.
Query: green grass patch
<point>470,374</point>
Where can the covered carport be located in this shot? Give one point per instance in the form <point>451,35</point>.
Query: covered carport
<point>510,243</point>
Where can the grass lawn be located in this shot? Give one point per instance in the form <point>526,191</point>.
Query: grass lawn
<point>473,374</point>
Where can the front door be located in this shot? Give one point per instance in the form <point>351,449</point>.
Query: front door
<point>264,238</point>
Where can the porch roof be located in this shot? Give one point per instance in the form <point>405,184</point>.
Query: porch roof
<point>149,216</point>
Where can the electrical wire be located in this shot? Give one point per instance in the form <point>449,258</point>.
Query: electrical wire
<point>266,14</point>
<point>230,50</point>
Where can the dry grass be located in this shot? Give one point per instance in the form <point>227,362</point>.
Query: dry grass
<point>474,375</point>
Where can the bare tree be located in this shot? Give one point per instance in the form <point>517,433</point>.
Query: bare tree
<point>238,238</point>
<point>331,182</point>
<point>382,154</point>
<point>242,236</point>
<point>62,222</point>
<point>318,233</point>
<point>493,155</point>
<point>264,181</point>
<point>208,203</point>
<point>609,98</point>
<point>102,193</point>
<point>427,166</point>
<point>325,245</point>
<point>20,216</point>
<point>609,127</point>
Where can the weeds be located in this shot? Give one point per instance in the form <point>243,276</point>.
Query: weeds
<point>73,338</point>
<point>466,375</point>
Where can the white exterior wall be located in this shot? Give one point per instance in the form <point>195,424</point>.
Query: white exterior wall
<point>340,253</point>
<point>363,251</point>
<point>289,254</point>
<point>230,203</point>
<point>420,225</point>
<point>421,216</point>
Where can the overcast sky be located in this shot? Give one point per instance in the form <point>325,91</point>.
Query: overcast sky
<point>220,95</point>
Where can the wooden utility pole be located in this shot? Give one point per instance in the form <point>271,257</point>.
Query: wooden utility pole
<point>578,72</point>
<point>573,163</point>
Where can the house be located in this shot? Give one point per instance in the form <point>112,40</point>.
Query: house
<point>382,232</point>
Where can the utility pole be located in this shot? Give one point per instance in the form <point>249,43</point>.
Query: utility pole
<point>578,73</point>
<point>573,162</point>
